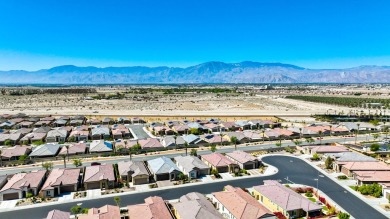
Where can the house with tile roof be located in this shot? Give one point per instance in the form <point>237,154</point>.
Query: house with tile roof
<point>22,183</point>
<point>45,150</point>
<point>171,143</point>
<point>234,202</point>
<point>60,180</point>
<point>181,129</point>
<point>192,166</point>
<point>133,171</point>
<point>100,146</point>
<point>13,153</point>
<point>99,177</point>
<point>370,177</point>
<point>239,135</point>
<point>120,131</point>
<point>150,144</point>
<point>163,168</point>
<point>73,149</point>
<point>194,140</point>
<point>229,126</point>
<point>33,137</point>
<point>43,129</point>
<point>162,130</point>
<point>153,208</point>
<point>324,149</point>
<point>79,135</point>
<point>243,125</point>
<point>76,122</point>
<point>105,212</point>
<point>219,162</point>
<point>279,198</point>
<point>124,120</point>
<point>12,138</point>
<point>100,132</point>
<point>57,135</point>
<point>60,122</point>
<point>344,157</point>
<point>57,214</point>
<point>243,160</point>
<point>253,136</point>
<point>348,168</point>
<point>195,206</point>
<point>214,139</point>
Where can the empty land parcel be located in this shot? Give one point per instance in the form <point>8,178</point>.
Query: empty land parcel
<point>169,101</point>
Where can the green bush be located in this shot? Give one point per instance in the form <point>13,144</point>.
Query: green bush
<point>343,215</point>
<point>29,195</point>
<point>342,177</point>
<point>372,189</point>
<point>309,194</point>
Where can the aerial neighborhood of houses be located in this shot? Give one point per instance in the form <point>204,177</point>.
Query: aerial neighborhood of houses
<point>151,155</point>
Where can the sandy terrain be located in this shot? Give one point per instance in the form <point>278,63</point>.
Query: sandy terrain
<point>162,105</point>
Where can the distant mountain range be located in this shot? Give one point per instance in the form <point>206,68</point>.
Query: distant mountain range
<point>209,72</point>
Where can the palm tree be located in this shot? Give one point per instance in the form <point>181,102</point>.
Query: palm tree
<point>357,132</point>
<point>186,147</point>
<point>320,133</point>
<point>64,157</point>
<point>300,132</point>
<point>117,201</point>
<point>175,137</point>
<point>1,159</point>
<point>263,131</point>
<point>220,134</point>
<point>234,140</point>
<point>67,151</point>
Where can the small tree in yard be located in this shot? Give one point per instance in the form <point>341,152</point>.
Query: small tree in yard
<point>315,157</point>
<point>193,152</point>
<point>234,140</point>
<point>117,201</point>
<point>375,147</point>
<point>77,162</point>
<point>47,165</point>
<point>328,163</point>
<point>8,143</point>
<point>76,209</point>
<point>213,148</point>
<point>279,144</point>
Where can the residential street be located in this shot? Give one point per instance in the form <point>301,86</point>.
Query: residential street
<point>295,169</point>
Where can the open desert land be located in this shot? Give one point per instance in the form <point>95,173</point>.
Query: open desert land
<point>233,105</point>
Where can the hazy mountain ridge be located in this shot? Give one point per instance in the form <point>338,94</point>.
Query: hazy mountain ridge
<point>209,72</point>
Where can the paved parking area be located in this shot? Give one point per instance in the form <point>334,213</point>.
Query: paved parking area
<point>8,204</point>
<point>66,197</point>
<point>94,193</point>
<point>164,183</point>
<point>206,178</point>
<point>226,175</point>
<point>143,187</point>
<point>254,172</point>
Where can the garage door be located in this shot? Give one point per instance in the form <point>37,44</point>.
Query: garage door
<point>248,166</point>
<point>10,196</point>
<point>162,177</point>
<point>140,181</point>
<point>95,185</point>
<point>223,169</point>
<point>69,188</point>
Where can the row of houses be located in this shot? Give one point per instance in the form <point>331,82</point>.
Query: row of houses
<point>364,169</point>
<point>233,202</point>
<point>24,121</point>
<point>52,183</point>
<point>63,134</point>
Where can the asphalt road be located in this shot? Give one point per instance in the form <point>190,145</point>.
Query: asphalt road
<point>295,169</point>
<point>266,145</point>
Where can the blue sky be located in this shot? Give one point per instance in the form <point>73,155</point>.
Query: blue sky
<point>314,33</point>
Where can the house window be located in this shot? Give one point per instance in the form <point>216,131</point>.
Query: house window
<point>48,193</point>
